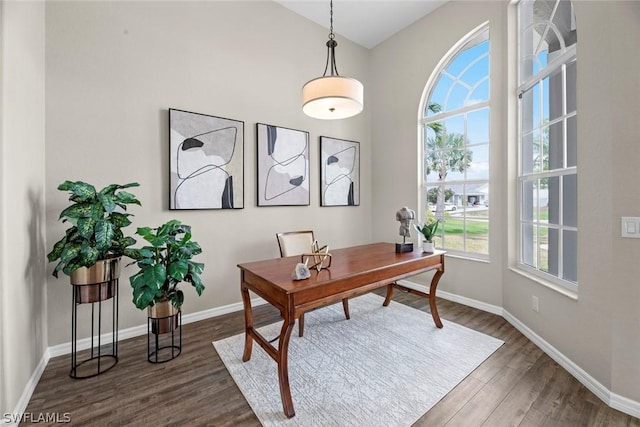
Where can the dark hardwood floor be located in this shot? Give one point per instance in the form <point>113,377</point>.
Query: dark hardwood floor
<point>518,385</point>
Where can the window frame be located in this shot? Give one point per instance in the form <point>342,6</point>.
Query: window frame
<point>424,119</point>
<point>557,64</point>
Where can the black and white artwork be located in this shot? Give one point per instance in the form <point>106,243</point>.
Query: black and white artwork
<point>339,172</point>
<point>283,166</point>
<point>206,161</point>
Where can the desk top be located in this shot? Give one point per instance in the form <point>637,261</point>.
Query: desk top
<point>345,263</point>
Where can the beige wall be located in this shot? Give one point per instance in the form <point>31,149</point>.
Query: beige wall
<point>22,197</point>
<point>113,70</point>
<point>401,67</point>
<point>624,21</point>
<point>600,331</point>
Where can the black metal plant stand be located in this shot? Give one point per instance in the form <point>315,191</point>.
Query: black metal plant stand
<point>100,359</point>
<point>162,332</point>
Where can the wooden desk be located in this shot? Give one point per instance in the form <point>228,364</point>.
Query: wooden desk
<point>354,271</point>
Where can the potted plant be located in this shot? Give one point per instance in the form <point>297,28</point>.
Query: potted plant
<point>91,248</point>
<point>164,264</point>
<point>428,230</point>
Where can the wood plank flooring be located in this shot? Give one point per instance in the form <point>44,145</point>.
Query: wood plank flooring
<point>518,385</point>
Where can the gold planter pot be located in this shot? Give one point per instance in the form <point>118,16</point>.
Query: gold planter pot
<point>164,317</point>
<point>96,283</point>
<point>164,333</point>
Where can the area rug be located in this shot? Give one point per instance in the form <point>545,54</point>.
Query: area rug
<point>387,366</point>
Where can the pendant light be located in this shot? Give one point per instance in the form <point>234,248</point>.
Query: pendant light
<point>332,96</point>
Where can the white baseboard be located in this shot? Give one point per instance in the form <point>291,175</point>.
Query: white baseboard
<point>625,405</point>
<point>615,401</point>
<point>494,309</point>
<point>123,334</point>
<point>135,331</point>
<point>13,418</point>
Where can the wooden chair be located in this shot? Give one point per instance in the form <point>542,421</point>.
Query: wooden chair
<point>293,243</point>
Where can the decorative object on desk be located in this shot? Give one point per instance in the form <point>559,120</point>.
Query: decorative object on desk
<point>405,216</point>
<point>283,166</point>
<point>318,257</point>
<point>339,172</point>
<point>427,364</point>
<point>206,161</point>
<point>301,272</point>
<point>332,96</point>
<point>90,254</point>
<point>164,264</point>
<point>428,230</point>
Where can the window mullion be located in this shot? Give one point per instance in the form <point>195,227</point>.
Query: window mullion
<point>564,115</point>
<point>551,173</point>
<point>445,115</point>
<point>551,67</point>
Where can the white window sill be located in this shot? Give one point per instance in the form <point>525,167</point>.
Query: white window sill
<point>466,257</point>
<point>555,287</point>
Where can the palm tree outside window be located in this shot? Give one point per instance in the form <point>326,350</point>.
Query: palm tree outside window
<point>455,123</point>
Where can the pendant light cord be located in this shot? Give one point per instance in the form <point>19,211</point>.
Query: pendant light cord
<point>332,96</point>
<point>331,35</point>
<point>331,45</point>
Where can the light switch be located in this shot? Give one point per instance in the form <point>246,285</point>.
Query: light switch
<point>630,227</point>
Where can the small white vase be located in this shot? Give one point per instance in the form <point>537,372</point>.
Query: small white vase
<point>428,246</point>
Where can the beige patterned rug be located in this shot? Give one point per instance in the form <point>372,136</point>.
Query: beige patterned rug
<point>387,366</point>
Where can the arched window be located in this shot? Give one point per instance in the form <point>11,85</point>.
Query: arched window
<point>455,123</point>
<point>547,173</point>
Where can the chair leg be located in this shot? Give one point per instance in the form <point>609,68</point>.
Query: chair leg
<point>301,325</point>
<point>345,305</point>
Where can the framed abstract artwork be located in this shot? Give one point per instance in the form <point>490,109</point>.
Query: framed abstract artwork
<point>206,161</point>
<point>339,172</point>
<point>283,166</point>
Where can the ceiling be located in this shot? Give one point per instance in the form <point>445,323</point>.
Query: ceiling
<point>366,22</point>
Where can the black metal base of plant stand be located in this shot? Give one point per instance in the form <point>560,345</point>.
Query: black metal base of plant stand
<point>164,347</point>
<point>100,359</point>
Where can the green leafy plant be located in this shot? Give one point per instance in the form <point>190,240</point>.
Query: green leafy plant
<point>96,225</point>
<point>164,264</point>
<point>428,229</point>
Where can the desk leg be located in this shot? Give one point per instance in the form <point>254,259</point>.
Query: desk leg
<point>248,324</point>
<point>345,307</point>
<point>432,297</point>
<point>387,300</point>
<point>283,365</point>
<point>301,325</point>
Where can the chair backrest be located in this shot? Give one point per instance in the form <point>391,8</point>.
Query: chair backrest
<point>295,242</point>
